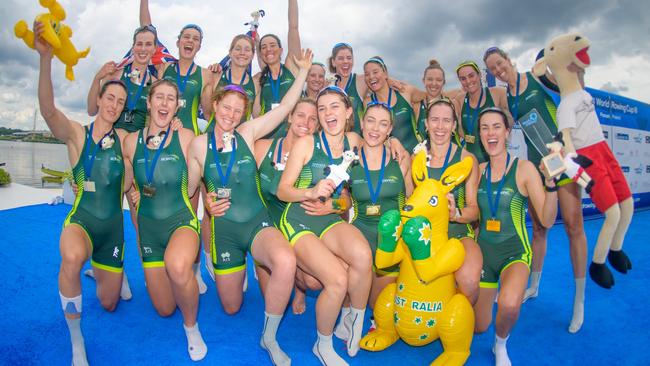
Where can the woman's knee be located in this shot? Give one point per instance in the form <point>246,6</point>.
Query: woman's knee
<point>509,305</point>
<point>179,271</point>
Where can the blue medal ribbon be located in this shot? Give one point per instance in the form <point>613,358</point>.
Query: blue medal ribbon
<point>243,77</point>
<point>149,169</point>
<point>373,97</point>
<point>374,194</point>
<point>471,124</point>
<point>495,205</point>
<point>275,85</point>
<point>182,85</point>
<point>515,106</point>
<point>348,83</point>
<point>133,102</point>
<point>90,159</point>
<point>223,177</point>
<point>278,160</point>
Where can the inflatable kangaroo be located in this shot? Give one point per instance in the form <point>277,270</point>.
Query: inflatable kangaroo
<point>423,305</point>
<point>55,33</point>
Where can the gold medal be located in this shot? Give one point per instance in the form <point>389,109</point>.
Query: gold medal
<point>373,210</point>
<point>470,139</point>
<point>223,192</point>
<point>148,190</point>
<point>89,186</point>
<point>493,225</point>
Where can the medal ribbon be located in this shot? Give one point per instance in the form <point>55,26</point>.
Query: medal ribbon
<point>138,93</point>
<point>223,177</point>
<point>471,124</point>
<point>374,194</point>
<point>275,85</point>
<point>90,159</point>
<point>182,85</point>
<point>494,206</point>
<point>149,170</point>
<point>515,106</point>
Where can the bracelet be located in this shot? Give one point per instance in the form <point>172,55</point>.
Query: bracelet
<point>550,189</point>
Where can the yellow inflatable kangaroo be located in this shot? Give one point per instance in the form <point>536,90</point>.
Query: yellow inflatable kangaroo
<point>55,33</point>
<point>423,305</point>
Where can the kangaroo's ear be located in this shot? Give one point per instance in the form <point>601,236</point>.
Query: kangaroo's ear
<point>539,69</point>
<point>419,167</point>
<point>456,174</point>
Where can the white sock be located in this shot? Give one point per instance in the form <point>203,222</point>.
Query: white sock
<point>72,305</point>
<point>89,272</point>
<point>578,306</point>
<point>77,340</point>
<point>533,289</point>
<point>356,328</point>
<point>324,350</point>
<point>270,344</point>
<point>125,290</point>
<point>207,260</point>
<point>195,345</point>
<point>342,330</point>
<point>500,351</point>
<point>199,280</point>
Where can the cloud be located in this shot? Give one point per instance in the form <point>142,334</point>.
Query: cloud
<point>405,34</point>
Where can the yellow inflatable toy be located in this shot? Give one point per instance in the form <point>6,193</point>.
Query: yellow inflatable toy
<point>55,33</point>
<point>423,305</point>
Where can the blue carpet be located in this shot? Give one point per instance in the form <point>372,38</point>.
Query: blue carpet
<point>33,331</point>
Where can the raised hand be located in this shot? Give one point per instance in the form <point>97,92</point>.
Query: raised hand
<point>305,59</point>
<point>107,70</point>
<point>43,48</point>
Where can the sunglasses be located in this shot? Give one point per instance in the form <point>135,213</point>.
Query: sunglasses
<point>378,61</point>
<point>442,100</point>
<point>193,26</point>
<point>468,63</point>
<point>236,88</point>
<point>342,44</point>
<point>378,103</point>
<point>333,88</point>
<point>495,110</point>
<point>147,27</point>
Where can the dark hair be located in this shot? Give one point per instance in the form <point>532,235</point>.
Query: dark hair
<point>496,110</point>
<point>493,50</point>
<point>335,50</point>
<point>108,83</point>
<point>191,26</point>
<point>146,28</point>
<point>377,60</point>
<point>434,65</point>
<point>266,71</point>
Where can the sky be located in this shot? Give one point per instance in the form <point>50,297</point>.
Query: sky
<point>407,34</point>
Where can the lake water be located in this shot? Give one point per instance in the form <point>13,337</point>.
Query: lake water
<point>24,159</point>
